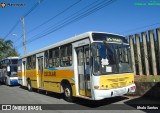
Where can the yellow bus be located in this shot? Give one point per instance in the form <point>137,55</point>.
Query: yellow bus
<point>92,65</point>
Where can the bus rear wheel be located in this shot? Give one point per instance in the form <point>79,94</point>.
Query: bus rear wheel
<point>67,93</point>
<point>29,85</point>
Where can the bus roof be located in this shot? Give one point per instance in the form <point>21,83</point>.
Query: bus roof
<point>69,40</point>
<point>14,57</point>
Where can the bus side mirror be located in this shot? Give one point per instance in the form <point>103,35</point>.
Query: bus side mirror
<point>8,69</point>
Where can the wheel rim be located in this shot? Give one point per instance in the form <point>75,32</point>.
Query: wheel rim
<point>67,92</point>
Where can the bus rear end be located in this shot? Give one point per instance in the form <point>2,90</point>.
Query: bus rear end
<point>13,79</point>
<point>11,75</point>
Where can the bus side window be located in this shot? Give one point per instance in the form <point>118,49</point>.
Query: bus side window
<point>31,62</point>
<point>66,55</point>
<point>50,58</point>
<point>57,57</point>
<point>69,54</point>
<point>28,63</point>
<point>46,59</point>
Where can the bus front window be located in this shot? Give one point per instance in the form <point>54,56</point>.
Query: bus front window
<point>14,61</point>
<point>110,58</point>
<point>13,71</point>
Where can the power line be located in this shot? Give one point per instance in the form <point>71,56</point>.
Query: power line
<point>55,16</point>
<point>10,31</point>
<point>78,13</point>
<point>138,28</point>
<point>64,19</point>
<point>76,18</point>
<point>18,38</point>
<point>63,11</point>
<point>35,5</point>
<point>25,15</point>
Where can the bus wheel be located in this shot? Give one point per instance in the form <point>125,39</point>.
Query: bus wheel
<point>68,93</point>
<point>29,85</point>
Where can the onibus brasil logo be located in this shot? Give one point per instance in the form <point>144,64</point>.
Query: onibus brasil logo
<point>3,4</point>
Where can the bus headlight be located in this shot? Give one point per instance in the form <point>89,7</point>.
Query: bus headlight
<point>133,88</point>
<point>96,87</point>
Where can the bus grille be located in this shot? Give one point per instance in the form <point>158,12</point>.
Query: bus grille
<point>114,85</point>
<point>118,82</point>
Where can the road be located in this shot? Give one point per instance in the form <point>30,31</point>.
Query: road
<point>52,101</point>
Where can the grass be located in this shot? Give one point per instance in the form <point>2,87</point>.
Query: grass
<point>149,78</point>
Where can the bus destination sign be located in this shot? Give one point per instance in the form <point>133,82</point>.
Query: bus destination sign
<point>113,39</point>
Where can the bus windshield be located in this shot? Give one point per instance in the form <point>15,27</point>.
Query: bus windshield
<point>110,58</point>
<point>13,71</point>
<point>14,61</point>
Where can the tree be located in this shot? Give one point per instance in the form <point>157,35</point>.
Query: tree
<point>7,49</point>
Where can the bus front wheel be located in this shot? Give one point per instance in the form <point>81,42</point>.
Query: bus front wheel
<point>68,93</point>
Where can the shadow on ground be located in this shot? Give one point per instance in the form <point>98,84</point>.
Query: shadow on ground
<point>1,83</point>
<point>80,103</point>
<point>145,103</point>
<point>150,97</point>
<point>51,94</point>
<point>98,103</point>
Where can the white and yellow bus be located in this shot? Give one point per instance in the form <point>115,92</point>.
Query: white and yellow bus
<point>92,65</point>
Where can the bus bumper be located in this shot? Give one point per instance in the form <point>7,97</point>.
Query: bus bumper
<point>14,82</point>
<point>101,94</point>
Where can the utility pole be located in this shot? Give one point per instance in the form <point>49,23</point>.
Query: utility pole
<point>24,35</point>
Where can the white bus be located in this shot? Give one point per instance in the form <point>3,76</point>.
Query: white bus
<point>8,71</point>
<point>92,65</point>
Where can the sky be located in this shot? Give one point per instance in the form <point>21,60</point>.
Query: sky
<point>124,17</point>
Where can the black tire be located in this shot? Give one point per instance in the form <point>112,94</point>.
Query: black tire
<point>29,85</point>
<point>68,94</point>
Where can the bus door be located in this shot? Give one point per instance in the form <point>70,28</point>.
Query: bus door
<point>24,72</point>
<point>40,70</point>
<point>83,70</point>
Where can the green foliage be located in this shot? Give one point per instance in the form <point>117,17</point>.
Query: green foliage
<point>7,49</point>
<point>149,78</point>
